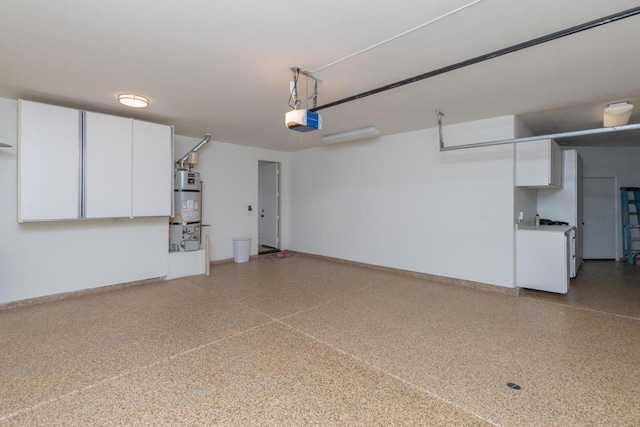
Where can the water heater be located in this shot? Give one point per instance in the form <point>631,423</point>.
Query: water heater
<point>184,233</point>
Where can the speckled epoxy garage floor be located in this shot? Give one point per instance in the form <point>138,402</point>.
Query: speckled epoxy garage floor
<point>306,341</point>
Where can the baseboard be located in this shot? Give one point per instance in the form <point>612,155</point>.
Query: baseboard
<point>228,260</point>
<point>73,294</point>
<point>441,279</point>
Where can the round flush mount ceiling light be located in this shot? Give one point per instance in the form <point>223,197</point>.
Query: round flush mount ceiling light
<point>133,100</point>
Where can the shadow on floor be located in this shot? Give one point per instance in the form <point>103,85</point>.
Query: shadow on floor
<point>263,250</point>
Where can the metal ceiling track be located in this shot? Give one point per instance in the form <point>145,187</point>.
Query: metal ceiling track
<point>514,48</point>
<point>560,135</point>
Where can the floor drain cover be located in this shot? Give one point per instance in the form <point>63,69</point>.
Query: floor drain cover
<point>514,386</point>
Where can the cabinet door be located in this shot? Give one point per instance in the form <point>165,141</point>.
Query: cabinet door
<point>107,166</point>
<point>533,163</point>
<point>556,165</point>
<point>542,261</point>
<point>538,164</point>
<point>48,162</point>
<point>152,169</point>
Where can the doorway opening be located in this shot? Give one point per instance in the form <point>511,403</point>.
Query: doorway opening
<point>268,207</point>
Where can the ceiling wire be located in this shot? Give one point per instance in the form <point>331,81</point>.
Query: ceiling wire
<point>396,36</point>
<point>492,55</point>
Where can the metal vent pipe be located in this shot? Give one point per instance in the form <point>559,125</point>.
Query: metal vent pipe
<point>180,163</point>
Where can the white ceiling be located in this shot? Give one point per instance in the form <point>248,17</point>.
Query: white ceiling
<point>223,66</point>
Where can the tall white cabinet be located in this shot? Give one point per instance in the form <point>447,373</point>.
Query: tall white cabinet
<point>566,204</point>
<point>76,164</point>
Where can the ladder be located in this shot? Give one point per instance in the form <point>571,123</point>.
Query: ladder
<point>630,201</point>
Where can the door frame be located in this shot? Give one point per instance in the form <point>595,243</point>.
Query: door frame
<point>278,203</point>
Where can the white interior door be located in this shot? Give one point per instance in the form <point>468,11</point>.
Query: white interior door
<point>268,203</point>
<point>599,210</point>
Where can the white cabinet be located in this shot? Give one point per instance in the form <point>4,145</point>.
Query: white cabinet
<point>107,190</point>
<point>117,167</point>
<point>542,258</point>
<point>128,167</point>
<point>566,204</point>
<point>49,140</point>
<point>539,164</point>
<point>152,169</point>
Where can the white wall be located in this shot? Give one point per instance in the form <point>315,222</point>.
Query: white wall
<point>525,202</point>
<point>525,198</point>
<point>39,259</point>
<point>621,163</point>
<point>230,175</point>
<point>397,201</point>
<point>394,201</point>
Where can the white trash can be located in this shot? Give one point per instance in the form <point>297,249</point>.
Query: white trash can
<point>241,249</point>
